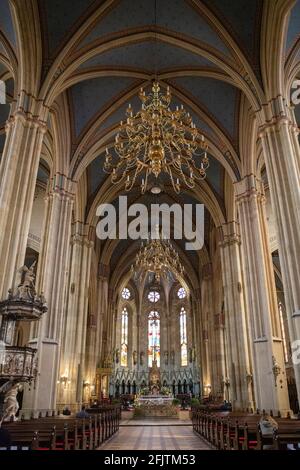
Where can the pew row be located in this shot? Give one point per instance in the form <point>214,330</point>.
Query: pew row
<point>67,433</point>
<point>244,431</point>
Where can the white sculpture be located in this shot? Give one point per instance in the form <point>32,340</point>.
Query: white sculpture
<point>11,404</point>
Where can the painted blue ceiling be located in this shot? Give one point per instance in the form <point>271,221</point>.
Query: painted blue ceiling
<point>242,16</point>
<point>60,16</point>
<point>2,67</point>
<point>96,174</point>
<point>219,98</point>
<point>297,114</point>
<point>215,176</point>
<point>91,96</point>
<point>148,55</point>
<point>176,15</point>
<point>294,26</point>
<point>2,142</point>
<point>4,113</point>
<point>6,23</point>
<point>43,175</point>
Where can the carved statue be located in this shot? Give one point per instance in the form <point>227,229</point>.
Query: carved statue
<point>134,357</point>
<point>26,287</point>
<point>11,404</point>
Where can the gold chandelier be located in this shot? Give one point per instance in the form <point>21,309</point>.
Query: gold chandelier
<point>158,140</point>
<point>158,257</point>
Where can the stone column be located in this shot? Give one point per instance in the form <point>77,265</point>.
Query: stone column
<point>72,362</point>
<point>52,280</point>
<point>267,350</point>
<point>200,357</point>
<point>207,315</point>
<point>236,325</point>
<point>279,137</point>
<point>18,172</point>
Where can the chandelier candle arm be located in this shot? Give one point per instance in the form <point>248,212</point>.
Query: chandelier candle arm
<point>156,140</point>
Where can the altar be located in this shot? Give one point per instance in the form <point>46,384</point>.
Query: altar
<point>156,402</point>
<point>155,406</point>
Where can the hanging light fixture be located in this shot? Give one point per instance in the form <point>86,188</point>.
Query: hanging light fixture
<point>159,257</point>
<point>158,140</point>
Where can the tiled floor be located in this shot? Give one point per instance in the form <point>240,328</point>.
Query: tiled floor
<point>155,437</point>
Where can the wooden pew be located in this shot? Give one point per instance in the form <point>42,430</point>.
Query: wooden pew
<point>66,432</point>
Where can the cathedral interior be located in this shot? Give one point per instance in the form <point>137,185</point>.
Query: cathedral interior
<point>227,328</point>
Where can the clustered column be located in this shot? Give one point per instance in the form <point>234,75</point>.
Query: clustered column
<point>72,363</point>
<point>236,325</point>
<point>268,360</point>
<point>279,137</point>
<point>52,280</point>
<point>18,171</point>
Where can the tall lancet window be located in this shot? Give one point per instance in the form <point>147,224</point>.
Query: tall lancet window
<point>124,337</point>
<point>183,338</point>
<point>153,338</point>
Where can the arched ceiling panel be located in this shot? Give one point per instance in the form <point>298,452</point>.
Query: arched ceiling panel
<point>297,114</point>
<point>91,96</point>
<point>242,19</point>
<point>59,16</point>
<point>219,98</point>
<point>181,18</point>
<point>147,56</point>
<point>293,32</point>
<point>43,173</point>
<point>6,23</point>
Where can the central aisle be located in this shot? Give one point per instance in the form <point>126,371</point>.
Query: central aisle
<point>155,437</point>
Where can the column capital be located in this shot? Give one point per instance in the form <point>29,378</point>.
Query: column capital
<point>30,110</point>
<point>229,234</point>
<point>274,114</point>
<point>249,187</point>
<point>62,185</point>
<point>80,234</point>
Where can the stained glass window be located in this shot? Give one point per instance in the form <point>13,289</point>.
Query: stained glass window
<point>124,337</point>
<point>153,338</point>
<point>154,296</point>
<point>181,293</point>
<point>183,338</point>
<point>126,293</point>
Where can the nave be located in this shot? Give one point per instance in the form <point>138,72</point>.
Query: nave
<point>155,435</point>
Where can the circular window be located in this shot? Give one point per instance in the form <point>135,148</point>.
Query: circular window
<point>126,293</point>
<point>153,296</point>
<point>181,293</point>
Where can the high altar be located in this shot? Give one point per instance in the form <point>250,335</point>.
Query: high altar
<point>155,404</point>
